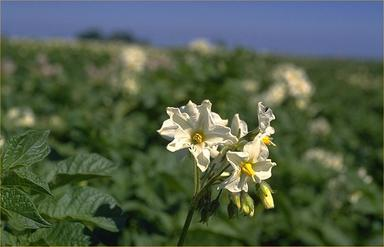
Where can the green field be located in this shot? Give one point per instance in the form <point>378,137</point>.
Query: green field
<point>110,98</point>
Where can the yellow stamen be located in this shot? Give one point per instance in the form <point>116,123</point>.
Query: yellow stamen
<point>247,169</point>
<point>197,138</point>
<point>268,141</point>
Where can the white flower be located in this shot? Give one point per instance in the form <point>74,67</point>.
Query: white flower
<point>250,86</point>
<point>325,158</point>
<point>21,117</point>
<point>320,126</point>
<point>197,128</point>
<point>202,45</point>
<point>246,165</point>
<point>276,94</point>
<point>2,141</point>
<point>134,57</point>
<point>265,116</point>
<point>239,127</point>
<point>130,85</point>
<point>296,79</point>
<point>362,173</point>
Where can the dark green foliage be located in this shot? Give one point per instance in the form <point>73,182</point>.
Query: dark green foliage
<point>36,212</point>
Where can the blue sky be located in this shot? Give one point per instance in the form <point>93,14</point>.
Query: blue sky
<point>338,29</point>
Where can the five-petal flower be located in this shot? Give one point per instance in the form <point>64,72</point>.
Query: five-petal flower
<point>247,166</point>
<point>197,128</point>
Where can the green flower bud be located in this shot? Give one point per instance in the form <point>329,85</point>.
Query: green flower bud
<point>247,205</point>
<point>236,199</point>
<point>265,194</point>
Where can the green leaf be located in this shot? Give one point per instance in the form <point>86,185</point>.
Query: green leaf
<point>20,223</point>
<point>102,222</point>
<point>24,177</point>
<point>15,201</point>
<point>80,204</point>
<point>8,238</point>
<point>82,167</point>
<point>25,149</point>
<point>61,234</point>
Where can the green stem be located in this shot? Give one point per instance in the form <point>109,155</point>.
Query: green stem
<point>197,180</point>
<point>195,199</point>
<point>187,223</point>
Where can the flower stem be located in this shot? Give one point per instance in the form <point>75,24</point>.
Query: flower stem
<point>187,223</point>
<point>197,180</point>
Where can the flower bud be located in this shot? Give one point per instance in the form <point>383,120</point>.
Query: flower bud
<point>247,205</point>
<point>204,200</point>
<point>232,209</point>
<point>236,199</point>
<point>265,194</point>
<point>207,211</point>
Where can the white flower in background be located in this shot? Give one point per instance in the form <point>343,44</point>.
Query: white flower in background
<point>134,57</point>
<point>130,85</point>
<point>362,173</point>
<point>276,94</point>
<point>250,86</point>
<point>2,141</point>
<point>197,128</point>
<point>296,79</point>
<point>56,122</point>
<point>326,158</point>
<point>46,68</point>
<point>21,117</point>
<point>320,127</point>
<point>355,197</point>
<point>202,45</point>
<point>248,165</point>
<point>158,59</point>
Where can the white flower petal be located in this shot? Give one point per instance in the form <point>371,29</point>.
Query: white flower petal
<point>182,140</point>
<point>213,151</point>
<point>201,155</point>
<point>263,169</point>
<point>168,129</point>
<point>180,118</point>
<point>264,152</point>
<point>265,117</point>
<point>236,158</point>
<point>217,135</point>
<point>205,121</point>
<point>239,127</point>
<point>232,183</point>
<point>191,109</point>
<point>253,149</point>
<point>269,131</point>
<point>243,185</point>
<point>236,182</point>
<point>218,120</point>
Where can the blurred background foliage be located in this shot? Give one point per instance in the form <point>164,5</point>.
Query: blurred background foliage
<point>110,98</point>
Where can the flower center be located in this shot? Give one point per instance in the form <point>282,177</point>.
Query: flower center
<point>197,138</point>
<point>247,169</point>
<point>267,140</point>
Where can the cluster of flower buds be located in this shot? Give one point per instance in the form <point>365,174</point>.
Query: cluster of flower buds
<point>229,159</point>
